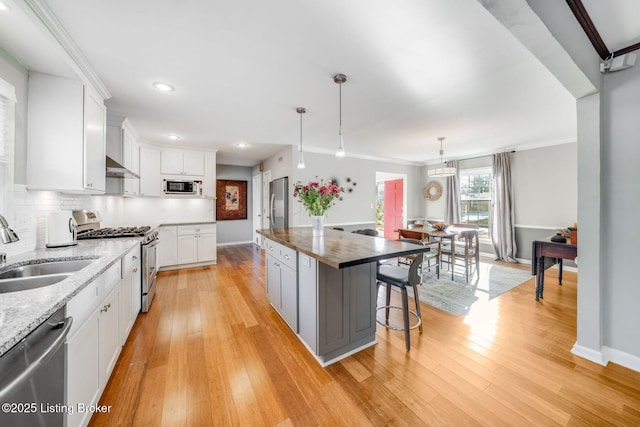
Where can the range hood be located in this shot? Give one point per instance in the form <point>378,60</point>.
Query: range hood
<point>116,170</point>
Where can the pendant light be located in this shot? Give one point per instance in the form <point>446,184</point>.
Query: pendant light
<point>301,111</point>
<point>340,78</point>
<point>443,170</point>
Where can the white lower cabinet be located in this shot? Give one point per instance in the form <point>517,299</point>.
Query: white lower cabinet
<point>168,246</point>
<point>83,371</point>
<point>196,243</point>
<point>109,335</point>
<point>186,245</point>
<point>103,314</point>
<point>282,281</point>
<point>130,292</point>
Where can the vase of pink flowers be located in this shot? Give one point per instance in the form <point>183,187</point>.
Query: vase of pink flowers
<point>317,197</point>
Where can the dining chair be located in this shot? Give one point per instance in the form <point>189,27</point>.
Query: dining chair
<point>466,249</point>
<point>401,277</point>
<point>433,254</point>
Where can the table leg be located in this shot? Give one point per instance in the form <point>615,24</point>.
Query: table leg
<point>539,277</point>
<point>453,255</point>
<point>560,271</point>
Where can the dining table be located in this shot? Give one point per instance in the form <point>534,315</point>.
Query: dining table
<point>430,233</point>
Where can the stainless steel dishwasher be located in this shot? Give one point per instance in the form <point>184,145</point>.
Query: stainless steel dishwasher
<point>32,376</point>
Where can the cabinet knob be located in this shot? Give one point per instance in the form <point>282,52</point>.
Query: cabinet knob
<point>286,257</point>
<point>135,270</point>
<point>134,257</point>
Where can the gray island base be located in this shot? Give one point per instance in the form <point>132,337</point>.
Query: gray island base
<point>325,287</point>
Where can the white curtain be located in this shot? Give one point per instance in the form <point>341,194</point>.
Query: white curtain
<point>452,212</point>
<point>503,234</point>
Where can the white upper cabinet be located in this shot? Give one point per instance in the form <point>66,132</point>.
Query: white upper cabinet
<point>175,162</point>
<point>209,183</point>
<point>66,136</point>
<point>150,180</point>
<point>123,147</point>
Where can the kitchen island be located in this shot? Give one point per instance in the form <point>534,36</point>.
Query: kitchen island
<point>325,287</point>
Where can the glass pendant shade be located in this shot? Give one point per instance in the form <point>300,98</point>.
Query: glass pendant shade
<point>339,79</point>
<point>301,111</point>
<point>442,171</point>
<point>340,152</point>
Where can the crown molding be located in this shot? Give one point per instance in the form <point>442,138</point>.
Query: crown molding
<point>55,28</point>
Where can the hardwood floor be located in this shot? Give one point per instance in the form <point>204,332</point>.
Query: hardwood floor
<point>212,351</point>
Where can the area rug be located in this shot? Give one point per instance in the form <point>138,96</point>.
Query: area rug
<point>456,296</point>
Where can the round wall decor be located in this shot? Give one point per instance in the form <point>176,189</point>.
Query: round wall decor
<point>432,191</point>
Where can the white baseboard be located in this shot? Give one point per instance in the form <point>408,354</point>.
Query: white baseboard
<point>234,243</point>
<point>590,354</point>
<point>606,355</point>
<point>624,359</point>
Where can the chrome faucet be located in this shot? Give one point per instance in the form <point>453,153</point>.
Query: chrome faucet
<point>7,235</point>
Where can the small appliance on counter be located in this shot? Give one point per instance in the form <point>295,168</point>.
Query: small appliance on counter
<point>61,229</point>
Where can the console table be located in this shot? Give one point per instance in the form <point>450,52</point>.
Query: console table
<point>547,249</point>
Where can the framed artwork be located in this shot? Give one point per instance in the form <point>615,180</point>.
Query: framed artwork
<point>231,200</point>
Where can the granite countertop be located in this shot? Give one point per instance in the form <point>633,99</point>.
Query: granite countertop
<point>22,311</point>
<point>341,249</point>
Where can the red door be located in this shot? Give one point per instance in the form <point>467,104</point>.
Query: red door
<point>392,207</point>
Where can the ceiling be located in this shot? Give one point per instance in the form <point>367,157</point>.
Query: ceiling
<point>416,70</point>
<point>617,21</point>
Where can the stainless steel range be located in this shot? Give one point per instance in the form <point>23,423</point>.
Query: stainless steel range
<point>89,228</point>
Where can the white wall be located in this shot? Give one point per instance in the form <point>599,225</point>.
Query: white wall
<point>608,155</point>
<point>241,230</point>
<point>620,207</point>
<point>358,204</point>
<point>545,184</point>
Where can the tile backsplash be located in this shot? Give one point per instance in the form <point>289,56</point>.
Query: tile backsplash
<point>30,209</point>
<point>29,216</point>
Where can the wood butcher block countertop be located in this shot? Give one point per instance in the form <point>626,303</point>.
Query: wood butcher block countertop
<point>340,249</point>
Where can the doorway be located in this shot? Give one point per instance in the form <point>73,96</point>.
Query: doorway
<point>391,203</point>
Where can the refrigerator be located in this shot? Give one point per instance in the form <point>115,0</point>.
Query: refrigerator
<point>279,203</point>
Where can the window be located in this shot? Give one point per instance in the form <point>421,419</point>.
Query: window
<point>475,198</point>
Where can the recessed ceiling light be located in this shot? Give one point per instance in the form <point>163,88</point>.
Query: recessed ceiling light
<point>163,87</point>
<point>242,145</point>
<point>173,137</point>
<point>3,7</point>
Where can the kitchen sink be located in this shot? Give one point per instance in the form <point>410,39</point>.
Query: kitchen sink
<point>30,282</point>
<point>32,276</point>
<point>46,268</point>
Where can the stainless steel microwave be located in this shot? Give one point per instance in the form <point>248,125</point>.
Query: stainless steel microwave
<point>182,187</point>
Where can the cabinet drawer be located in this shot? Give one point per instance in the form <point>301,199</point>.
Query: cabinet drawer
<point>289,258</point>
<point>283,254</point>
<point>196,229</point>
<point>82,305</point>
<point>130,261</point>
<point>109,279</point>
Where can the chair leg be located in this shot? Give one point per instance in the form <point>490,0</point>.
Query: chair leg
<point>416,297</point>
<point>438,267</point>
<point>405,315</point>
<point>387,303</point>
